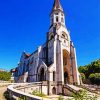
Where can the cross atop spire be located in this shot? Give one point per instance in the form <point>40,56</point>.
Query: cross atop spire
<point>57,6</point>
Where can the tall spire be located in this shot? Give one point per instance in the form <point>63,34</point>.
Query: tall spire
<point>57,14</point>
<point>57,6</point>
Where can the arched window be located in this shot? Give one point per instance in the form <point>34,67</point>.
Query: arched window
<point>42,75</point>
<point>53,90</point>
<point>65,77</point>
<point>51,37</point>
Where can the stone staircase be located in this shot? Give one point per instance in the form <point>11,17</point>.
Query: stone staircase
<point>70,89</point>
<point>75,89</point>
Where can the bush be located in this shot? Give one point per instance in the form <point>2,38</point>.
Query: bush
<point>95,78</point>
<point>60,98</point>
<point>89,72</point>
<point>7,96</point>
<point>37,93</point>
<point>83,95</point>
<point>5,76</point>
<point>23,98</point>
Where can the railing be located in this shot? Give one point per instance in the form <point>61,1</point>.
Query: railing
<point>15,90</point>
<point>71,89</point>
<point>90,88</point>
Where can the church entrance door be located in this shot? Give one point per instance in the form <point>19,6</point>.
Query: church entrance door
<point>42,76</point>
<point>66,64</point>
<point>65,77</point>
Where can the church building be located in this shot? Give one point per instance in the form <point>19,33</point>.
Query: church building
<point>55,61</point>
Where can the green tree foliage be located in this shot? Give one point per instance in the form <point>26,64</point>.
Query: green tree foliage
<point>83,77</point>
<point>5,76</point>
<point>91,72</point>
<point>85,70</point>
<point>95,78</point>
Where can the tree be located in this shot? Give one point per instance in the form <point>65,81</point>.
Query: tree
<point>5,76</point>
<point>90,70</point>
<point>84,69</point>
<point>83,77</point>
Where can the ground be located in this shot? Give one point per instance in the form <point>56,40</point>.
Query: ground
<point>2,90</point>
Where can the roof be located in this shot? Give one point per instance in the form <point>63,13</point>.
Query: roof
<point>57,6</point>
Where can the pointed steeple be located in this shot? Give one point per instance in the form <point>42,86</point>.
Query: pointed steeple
<point>57,14</point>
<point>57,6</point>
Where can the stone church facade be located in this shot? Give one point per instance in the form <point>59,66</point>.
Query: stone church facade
<point>55,61</point>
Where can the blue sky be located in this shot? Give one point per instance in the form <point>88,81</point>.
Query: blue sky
<point>24,23</point>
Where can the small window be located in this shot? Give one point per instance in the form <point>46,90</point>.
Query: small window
<point>56,13</point>
<point>53,75</point>
<point>51,37</point>
<point>56,19</point>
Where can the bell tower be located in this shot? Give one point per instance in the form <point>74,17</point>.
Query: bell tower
<point>57,14</point>
<point>61,52</point>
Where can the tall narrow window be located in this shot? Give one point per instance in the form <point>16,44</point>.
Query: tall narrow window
<point>57,19</point>
<point>53,75</point>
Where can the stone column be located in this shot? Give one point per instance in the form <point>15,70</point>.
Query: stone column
<point>59,66</point>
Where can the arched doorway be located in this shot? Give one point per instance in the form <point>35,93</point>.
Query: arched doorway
<point>42,76</point>
<point>54,90</point>
<point>65,77</point>
<point>66,66</point>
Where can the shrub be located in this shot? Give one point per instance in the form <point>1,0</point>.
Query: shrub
<point>7,96</point>
<point>37,93</point>
<point>83,95</point>
<point>95,78</point>
<point>23,98</point>
<point>60,98</point>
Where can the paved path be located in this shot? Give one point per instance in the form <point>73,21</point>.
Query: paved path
<point>2,90</point>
